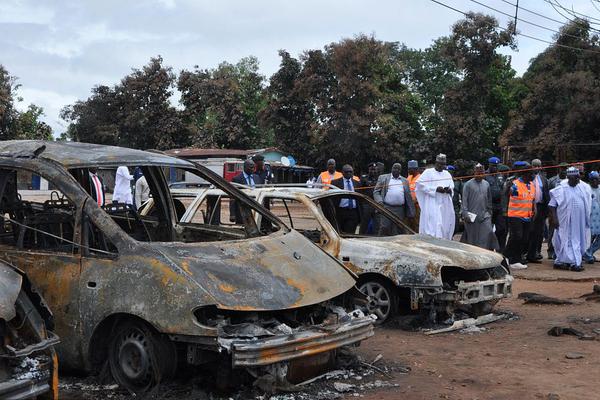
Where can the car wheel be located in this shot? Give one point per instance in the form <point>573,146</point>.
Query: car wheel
<point>383,300</point>
<point>482,308</point>
<point>139,358</point>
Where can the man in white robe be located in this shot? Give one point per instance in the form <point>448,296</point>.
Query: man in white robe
<point>122,191</point>
<point>570,207</point>
<point>434,194</point>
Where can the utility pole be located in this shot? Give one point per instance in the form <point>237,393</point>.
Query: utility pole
<point>516,15</point>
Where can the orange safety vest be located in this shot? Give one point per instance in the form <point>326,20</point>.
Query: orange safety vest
<point>521,205</point>
<point>412,183</point>
<point>326,178</point>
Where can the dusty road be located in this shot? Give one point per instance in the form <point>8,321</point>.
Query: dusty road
<point>513,359</point>
<point>510,360</point>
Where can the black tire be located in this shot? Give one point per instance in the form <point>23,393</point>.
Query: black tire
<point>383,298</point>
<point>139,358</point>
<point>482,308</point>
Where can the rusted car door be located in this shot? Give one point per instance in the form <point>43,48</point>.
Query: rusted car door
<point>55,273</point>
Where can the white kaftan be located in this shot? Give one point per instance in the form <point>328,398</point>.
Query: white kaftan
<point>573,207</point>
<point>122,192</point>
<point>437,211</point>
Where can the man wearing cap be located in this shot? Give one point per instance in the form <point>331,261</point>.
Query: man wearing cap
<point>520,193</point>
<point>262,170</point>
<point>329,175</point>
<point>393,192</point>
<point>476,212</point>
<point>413,176</point>
<point>496,182</point>
<point>542,197</point>
<point>594,219</point>
<point>434,194</point>
<point>367,182</point>
<point>570,206</point>
<point>456,196</point>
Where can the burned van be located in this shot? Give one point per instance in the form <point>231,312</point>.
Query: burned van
<point>28,363</point>
<point>146,294</point>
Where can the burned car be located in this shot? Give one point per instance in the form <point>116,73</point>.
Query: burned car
<point>28,363</point>
<point>146,294</point>
<point>406,270</point>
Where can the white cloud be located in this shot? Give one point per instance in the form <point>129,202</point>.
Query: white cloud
<point>20,12</point>
<point>60,49</point>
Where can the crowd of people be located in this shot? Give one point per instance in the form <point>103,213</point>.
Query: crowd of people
<point>511,211</point>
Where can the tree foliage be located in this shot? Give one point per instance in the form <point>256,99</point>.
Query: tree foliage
<point>475,110</point>
<point>562,102</point>
<point>13,123</point>
<point>347,101</point>
<point>222,105</point>
<point>135,113</point>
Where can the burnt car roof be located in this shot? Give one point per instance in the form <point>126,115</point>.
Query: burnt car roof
<point>78,154</point>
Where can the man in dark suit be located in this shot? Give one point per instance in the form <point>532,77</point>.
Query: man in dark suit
<point>393,192</point>
<point>347,209</point>
<point>542,198</point>
<point>246,177</point>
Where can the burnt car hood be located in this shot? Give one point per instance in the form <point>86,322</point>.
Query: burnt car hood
<point>10,286</point>
<point>280,271</point>
<point>428,250</point>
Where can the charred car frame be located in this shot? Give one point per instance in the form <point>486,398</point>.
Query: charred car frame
<point>415,272</point>
<point>144,293</point>
<point>28,363</point>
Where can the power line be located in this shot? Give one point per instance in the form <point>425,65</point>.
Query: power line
<point>566,19</point>
<point>523,20</point>
<point>572,12</point>
<point>533,12</point>
<point>519,33</point>
<point>576,21</point>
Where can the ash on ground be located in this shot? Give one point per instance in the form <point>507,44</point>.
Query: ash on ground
<point>351,376</point>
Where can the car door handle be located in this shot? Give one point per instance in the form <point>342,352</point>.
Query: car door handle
<point>345,258</point>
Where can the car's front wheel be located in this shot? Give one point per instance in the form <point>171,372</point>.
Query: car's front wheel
<point>139,358</point>
<point>383,299</point>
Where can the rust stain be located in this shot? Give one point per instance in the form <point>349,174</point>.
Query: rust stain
<point>185,265</point>
<point>226,287</point>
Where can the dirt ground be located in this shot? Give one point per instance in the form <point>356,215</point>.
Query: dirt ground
<point>510,359</point>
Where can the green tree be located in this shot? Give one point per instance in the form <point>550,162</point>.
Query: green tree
<point>27,125</point>
<point>289,112</point>
<point>15,124</point>
<point>562,100</point>
<point>222,105</point>
<point>8,86</point>
<point>347,101</point>
<point>136,113</point>
<point>475,110</point>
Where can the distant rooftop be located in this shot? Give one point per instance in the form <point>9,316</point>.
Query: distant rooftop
<point>220,153</point>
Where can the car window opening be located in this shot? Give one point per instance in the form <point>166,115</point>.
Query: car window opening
<point>159,216</point>
<point>354,216</point>
<point>34,219</point>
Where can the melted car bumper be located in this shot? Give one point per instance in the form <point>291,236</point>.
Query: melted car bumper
<point>481,291</point>
<point>305,343</point>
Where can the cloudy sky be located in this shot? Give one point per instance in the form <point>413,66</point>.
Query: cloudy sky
<point>60,49</point>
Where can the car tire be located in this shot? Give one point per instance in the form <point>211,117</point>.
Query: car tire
<point>383,298</point>
<point>139,358</point>
<point>482,308</point>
